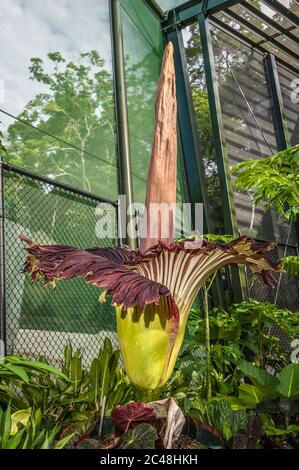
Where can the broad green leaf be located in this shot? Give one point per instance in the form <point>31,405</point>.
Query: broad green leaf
<point>113,366</point>
<point>105,373</point>
<point>49,437</point>
<point>260,375</point>
<point>36,365</point>
<point>16,370</point>
<point>94,377</point>
<point>143,436</point>
<point>108,346</point>
<point>15,441</point>
<point>288,377</point>
<point>250,395</point>
<point>19,417</point>
<point>33,394</point>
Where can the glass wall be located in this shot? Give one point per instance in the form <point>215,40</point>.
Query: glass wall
<point>247,114</point>
<point>143,45</point>
<point>247,111</point>
<point>57,110</point>
<point>289,84</point>
<point>198,85</point>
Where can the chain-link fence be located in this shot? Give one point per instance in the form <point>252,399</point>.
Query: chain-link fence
<point>286,292</point>
<point>39,320</point>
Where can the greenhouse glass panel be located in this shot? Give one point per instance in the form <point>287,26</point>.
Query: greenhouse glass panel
<point>169,4</point>
<point>289,84</point>
<point>143,47</point>
<point>197,79</point>
<point>57,107</point>
<point>248,125</point>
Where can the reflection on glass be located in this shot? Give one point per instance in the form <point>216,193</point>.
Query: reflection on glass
<point>289,84</point>
<point>272,13</point>
<point>202,112</point>
<point>248,125</point>
<point>143,45</point>
<point>169,4</point>
<point>57,78</point>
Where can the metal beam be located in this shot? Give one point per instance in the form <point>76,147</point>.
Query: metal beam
<point>230,220</point>
<point>269,21</point>
<point>155,7</point>
<point>280,126</point>
<point>57,184</point>
<point>122,122</point>
<point>248,42</point>
<point>255,30</point>
<point>194,167</point>
<point>187,13</point>
<point>282,10</point>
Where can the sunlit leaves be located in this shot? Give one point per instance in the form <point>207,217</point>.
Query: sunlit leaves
<point>274,180</point>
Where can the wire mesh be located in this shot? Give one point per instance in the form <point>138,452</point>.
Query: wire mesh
<point>39,320</point>
<point>288,294</point>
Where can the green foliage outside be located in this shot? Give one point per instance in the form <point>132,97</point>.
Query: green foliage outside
<point>274,180</point>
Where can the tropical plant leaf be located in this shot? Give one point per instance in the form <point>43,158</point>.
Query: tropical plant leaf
<point>248,439</point>
<point>288,377</point>
<point>260,375</point>
<point>203,432</point>
<point>142,436</point>
<point>15,441</point>
<point>15,370</point>
<point>250,395</point>
<point>290,264</point>
<point>19,417</point>
<point>35,365</point>
<point>63,442</point>
<point>128,417</point>
<point>5,427</point>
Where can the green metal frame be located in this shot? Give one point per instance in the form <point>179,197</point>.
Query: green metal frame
<point>259,32</point>
<point>122,122</point>
<point>280,126</point>
<point>186,13</point>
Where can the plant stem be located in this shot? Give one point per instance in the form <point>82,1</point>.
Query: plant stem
<point>208,341</point>
<point>144,395</point>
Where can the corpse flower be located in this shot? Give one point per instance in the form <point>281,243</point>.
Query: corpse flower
<point>153,288</point>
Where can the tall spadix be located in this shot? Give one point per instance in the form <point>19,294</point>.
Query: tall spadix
<point>162,173</point>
